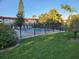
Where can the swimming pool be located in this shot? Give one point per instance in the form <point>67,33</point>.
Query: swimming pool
<point>33,31</point>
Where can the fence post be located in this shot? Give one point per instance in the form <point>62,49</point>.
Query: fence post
<point>45,27</point>
<point>20,33</point>
<point>34,29</point>
<point>3,20</point>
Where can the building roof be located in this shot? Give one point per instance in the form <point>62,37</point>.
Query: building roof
<point>5,17</point>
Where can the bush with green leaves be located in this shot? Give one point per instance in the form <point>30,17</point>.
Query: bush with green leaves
<point>8,37</point>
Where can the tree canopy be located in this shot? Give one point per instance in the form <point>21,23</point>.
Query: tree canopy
<point>52,15</point>
<point>73,22</point>
<point>68,8</point>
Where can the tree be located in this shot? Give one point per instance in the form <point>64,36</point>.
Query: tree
<point>55,19</point>
<point>73,24</point>
<point>20,16</point>
<point>68,8</point>
<point>19,23</point>
<point>54,15</point>
<point>43,18</point>
<point>51,18</point>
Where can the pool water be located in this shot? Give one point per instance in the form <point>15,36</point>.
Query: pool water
<point>30,32</point>
<point>36,30</point>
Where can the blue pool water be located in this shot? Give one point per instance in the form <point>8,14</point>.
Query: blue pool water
<point>36,30</point>
<point>30,32</point>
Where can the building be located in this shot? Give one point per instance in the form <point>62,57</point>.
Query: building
<point>6,19</point>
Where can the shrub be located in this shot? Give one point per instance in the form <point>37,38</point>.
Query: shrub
<point>8,37</point>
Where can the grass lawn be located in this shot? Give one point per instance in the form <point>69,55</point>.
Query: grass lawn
<point>51,46</point>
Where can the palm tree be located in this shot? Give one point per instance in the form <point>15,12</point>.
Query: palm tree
<point>71,17</point>
<point>68,8</point>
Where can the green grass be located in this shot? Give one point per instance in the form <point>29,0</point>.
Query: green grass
<point>51,46</point>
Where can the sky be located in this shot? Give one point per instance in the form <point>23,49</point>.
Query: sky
<point>35,7</point>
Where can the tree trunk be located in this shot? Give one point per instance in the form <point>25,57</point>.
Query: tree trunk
<point>75,34</point>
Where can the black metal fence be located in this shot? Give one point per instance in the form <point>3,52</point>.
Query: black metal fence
<point>36,28</point>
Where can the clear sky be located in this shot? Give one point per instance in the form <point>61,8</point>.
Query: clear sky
<point>35,7</point>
